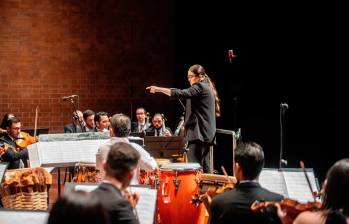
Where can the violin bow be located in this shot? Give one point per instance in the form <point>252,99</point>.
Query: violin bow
<point>307,178</point>
<point>36,120</point>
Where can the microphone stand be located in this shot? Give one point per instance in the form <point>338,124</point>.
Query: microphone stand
<point>71,100</point>
<point>283,109</point>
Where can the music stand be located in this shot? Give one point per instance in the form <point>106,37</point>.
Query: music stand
<point>3,168</point>
<point>165,147</point>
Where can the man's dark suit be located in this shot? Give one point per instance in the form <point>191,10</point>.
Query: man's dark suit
<point>119,210</point>
<point>234,206</point>
<point>71,128</point>
<point>11,156</point>
<point>200,119</point>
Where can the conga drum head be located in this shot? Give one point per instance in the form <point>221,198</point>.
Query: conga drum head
<point>180,167</point>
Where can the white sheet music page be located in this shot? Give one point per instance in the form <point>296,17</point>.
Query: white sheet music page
<point>297,185</point>
<point>273,180</point>
<point>146,204</point>
<point>24,217</point>
<point>34,158</point>
<point>68,151</point>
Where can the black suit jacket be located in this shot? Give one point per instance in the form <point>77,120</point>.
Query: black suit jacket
<point>200,118</point>
<point>234,206</point>
<point>119,210</point>
<point>11,156</point>
<point>71,128</point>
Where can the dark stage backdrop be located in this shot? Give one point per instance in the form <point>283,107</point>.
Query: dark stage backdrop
<point>294,53</point>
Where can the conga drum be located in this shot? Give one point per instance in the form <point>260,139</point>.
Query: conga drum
<point>177,186</point>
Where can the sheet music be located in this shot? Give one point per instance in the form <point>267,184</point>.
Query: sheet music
<point>25,217</point>
<point>273,180</point>
<point>61,152</point>
<point>3,167</point>
<point>146,204</point>
<point>297,185</point>
<point>87,188</point>
<point>33,153</point>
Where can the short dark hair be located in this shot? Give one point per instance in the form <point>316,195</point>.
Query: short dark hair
<point>99,115</point>
<point>78,207</point>
<point>142,109</point>
<point>121,125</point>
<point>12,120</point>
<point>88,113</point>
<point>122,158</point>
<point>250,157</point>
<point>336,195</point>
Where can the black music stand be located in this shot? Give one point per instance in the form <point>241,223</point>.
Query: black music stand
<point>165,147</point>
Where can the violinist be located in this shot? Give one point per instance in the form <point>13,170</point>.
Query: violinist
<point>120,166</point>
<point>335,207</point>
<point>17,158</point>
<point>234,206</point>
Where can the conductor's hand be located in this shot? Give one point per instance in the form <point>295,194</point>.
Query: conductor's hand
<point>152,89</point>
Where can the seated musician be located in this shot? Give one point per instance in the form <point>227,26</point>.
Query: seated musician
<point>16,157</point>
<point>119,167</point>
<point>3,123</point>
<point>120,125</point>
<point>335,207</point>
<point>141,123</point>
<point>158,126</point>
<point>89,119</point>
<point>234,206</point>
<point>101,122</point>
<point>78,124</point>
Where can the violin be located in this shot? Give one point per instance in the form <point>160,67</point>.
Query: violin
<point>292,207</point>
<point>24,139</point>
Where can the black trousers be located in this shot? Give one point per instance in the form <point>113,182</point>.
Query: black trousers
<point>199,153</point>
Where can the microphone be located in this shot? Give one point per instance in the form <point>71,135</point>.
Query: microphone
<point>284,105</point>
<point>230,55</point>
<point>64,98</point>
<point>180,124</point>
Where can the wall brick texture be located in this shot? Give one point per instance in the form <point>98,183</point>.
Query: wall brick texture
<point>107,52</point>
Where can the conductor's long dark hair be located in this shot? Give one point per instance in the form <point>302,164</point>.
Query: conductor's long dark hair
<point>198,70</point>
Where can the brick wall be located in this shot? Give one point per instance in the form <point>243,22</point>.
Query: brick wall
<point>107,52</point>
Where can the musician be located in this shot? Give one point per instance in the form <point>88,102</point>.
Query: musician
<point>89,116</point>
<point>17,158</point>
<point>3,123</point>
<point>75,127</point>
<point>335,199</point>
<point>78,207</point>
<point>101,122</point>
<point>202,107</point>
<point>119,131</point>
<point>158,126</point>
<point>141,123</point>
<point>120,167</point>
<point>234,205</point>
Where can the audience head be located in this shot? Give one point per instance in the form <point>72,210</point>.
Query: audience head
<point>77,116</point>
<point>249,161</point>
<point>89,116</point>
<point>158,120</point>
<point>121,163</point>
<point>336,195</point>
<point>120,125</point>
<point>78,207</point>
<point>102,121</point>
